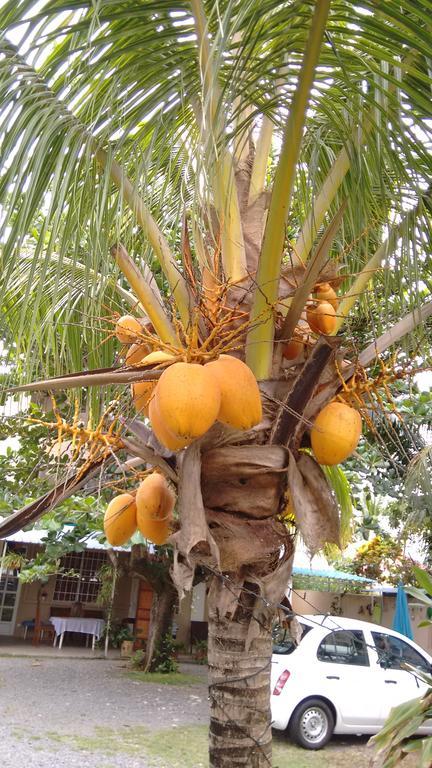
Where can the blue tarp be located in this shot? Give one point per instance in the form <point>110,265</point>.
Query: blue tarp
<point>402,621</point>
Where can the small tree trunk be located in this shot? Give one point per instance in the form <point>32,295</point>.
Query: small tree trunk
<point>239,684</point>
<point>160,620</point>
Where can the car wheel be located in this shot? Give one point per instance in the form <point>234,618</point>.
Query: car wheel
<point>312,724</point>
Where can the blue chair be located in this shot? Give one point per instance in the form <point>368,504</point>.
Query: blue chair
<point>27,624</point>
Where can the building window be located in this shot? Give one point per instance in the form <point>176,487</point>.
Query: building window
<point>84,586</point>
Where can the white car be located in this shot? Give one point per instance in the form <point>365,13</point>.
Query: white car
<point>344,676</point>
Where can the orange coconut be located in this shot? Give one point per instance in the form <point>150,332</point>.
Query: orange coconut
<point>321,317</point>
<point>155,504</point>
<point>143,390</point>
<point>165,437</point>
<point>293,348</point>
<point>120,520</point>
<point>128,329</point>
<point>335,433</point>
<point>188,399</point>
<point>325,292</point>
<point>240,396</point>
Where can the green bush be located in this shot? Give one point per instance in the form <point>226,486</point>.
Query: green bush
<point>164,659</point>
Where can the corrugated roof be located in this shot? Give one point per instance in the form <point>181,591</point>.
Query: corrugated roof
<point>37,536</point>
<point>330,573</point>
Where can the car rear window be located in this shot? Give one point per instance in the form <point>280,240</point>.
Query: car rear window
<point>283,643</point>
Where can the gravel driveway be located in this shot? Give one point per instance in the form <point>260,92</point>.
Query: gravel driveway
<point>49,708</point>
<point>76,713</point>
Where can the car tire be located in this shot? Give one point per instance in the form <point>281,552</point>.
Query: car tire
<point>312,724</point>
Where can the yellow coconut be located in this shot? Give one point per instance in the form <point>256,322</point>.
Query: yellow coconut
<point>143,390</point>
<point>188,399</point>
<point>128,329</point>
<point>240,396</point>
<point>141,394</point>
<point>335,433</point>
<point>321,317</point>
<point>136,353</point>
<point>120,521</point>
<point>155,504</point>
<point>159,356</point>
<point>324,292</point>
<point>165,437</point>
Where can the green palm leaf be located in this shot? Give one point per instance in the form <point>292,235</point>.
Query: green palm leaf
<point>82,76</point>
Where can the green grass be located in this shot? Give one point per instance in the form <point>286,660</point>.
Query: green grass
<point>172,678</point>
<point>186,747</point>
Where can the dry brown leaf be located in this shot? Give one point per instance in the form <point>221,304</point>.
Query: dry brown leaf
<point>246,479</point>
<point>194,533</point>
<point>315,508</point>
<point>272,588</point>
<point>246,542</point>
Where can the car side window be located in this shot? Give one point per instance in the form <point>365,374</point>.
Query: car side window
<point>392,652</point>
<point>344,646</point>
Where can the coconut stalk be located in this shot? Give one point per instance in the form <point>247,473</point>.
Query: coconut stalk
<point>223,182</point>
<point>154,309</point>
<point>321,204</point>
<point>259,349</point>
<point>156,238</point>
<point>311,274</point>
<point>403,327</point>
<point>260,163</point>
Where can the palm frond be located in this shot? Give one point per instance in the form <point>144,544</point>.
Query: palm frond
<point>131,82</point>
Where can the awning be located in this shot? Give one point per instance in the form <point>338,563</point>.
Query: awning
<point>330,580</point>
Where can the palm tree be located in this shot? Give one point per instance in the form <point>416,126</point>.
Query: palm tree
<point>237,155</point>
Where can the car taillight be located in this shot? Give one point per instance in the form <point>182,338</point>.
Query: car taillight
<point>277,690</point>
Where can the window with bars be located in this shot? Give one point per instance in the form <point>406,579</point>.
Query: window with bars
<point>83,587</point>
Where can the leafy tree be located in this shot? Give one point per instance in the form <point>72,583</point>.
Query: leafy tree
<point>23,470</point>
<point>381,559</point>
<point>239,155</point>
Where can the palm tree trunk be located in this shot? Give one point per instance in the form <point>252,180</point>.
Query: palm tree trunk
<point>239,682</point>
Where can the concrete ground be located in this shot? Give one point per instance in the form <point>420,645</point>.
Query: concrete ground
<point>12,646</point>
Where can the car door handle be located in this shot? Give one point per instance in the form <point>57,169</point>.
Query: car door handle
<point>391,681</point>
<point>333,677</point>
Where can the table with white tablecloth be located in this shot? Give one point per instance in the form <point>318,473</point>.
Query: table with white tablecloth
<point>85,626</point>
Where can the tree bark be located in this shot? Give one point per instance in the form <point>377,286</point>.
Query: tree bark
<point>239,680</point>
<point>160,620</point>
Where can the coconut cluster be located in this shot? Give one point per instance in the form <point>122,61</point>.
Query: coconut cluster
<point>150,510</point>
<point>189,397</point>
<point>319,317</point>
